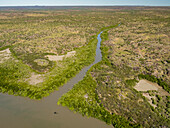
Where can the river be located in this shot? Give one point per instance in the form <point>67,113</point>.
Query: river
<point>22,112</point>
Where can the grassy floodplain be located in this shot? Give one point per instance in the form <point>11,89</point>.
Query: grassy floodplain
<point>137,49</point>
<point>32,34</point>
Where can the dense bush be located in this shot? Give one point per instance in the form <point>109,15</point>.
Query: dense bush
<point>75,99</point>
<point>84,99</point>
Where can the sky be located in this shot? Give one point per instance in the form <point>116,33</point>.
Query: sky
<point>83,2</point>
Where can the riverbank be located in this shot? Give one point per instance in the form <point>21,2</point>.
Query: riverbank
<point>46,113</point>
<point>107,93</point>
<point>62,72</point>
<point>83,97</point>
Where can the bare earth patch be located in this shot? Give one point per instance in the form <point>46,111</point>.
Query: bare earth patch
<point>35,79</point>
<point>5,55</point>
<point>145,85</point>
<point>57,58</point>
<point>149,99</point>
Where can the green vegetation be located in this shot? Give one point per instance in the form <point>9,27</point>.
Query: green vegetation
<point>30,35</point>
<point>13,73</point>
<point>125,62</point>
<point>161,102</point>
<point>138,48</point>
<point>126,56</point>
<point>83,99</point>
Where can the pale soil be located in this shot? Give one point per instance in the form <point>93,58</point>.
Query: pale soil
<point>145,85</point>
<point>35,15</point>
<point>35,79</point>
<point>57,58</point>
<point>86,96</point>
<point>149,99</point>
<point>5,55</point>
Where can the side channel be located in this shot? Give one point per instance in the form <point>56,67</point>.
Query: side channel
<point>22,112</point>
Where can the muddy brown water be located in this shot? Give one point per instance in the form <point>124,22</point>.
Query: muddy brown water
<point>22,112</point>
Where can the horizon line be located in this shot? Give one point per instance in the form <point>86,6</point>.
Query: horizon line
<point>79,5</point>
